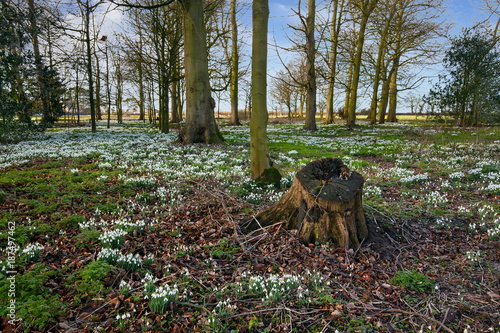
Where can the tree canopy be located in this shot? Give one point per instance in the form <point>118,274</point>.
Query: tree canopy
<point>469,91</point>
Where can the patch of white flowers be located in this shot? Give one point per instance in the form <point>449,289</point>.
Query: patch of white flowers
<point>443,222</point>
<point>109,255</point>
<point>128,225</point>
<point>274,287</point>
<point>123,316</point>
<point>90,224</point>
<point>492,188</point>
<point>494,232</point>
<point>113,238</point>
<point>32,251</point>
<point>102,177</point>
<point>372,190</point>
<point>224,308</point>
<point>125,288</point>
<point>436,199</point>
<point>162,297</point>
<point>130,262</point>
<point>473,256</point>
<point>105,165</point>
<point>457,175</point>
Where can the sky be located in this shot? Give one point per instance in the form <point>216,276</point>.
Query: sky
<point>462,13</point>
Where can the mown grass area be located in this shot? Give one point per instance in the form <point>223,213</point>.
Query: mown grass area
<point>125,230</point>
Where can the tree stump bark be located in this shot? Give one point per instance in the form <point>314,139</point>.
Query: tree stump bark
<point>323,203</point>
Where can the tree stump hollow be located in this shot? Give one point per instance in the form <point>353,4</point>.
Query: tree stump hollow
<point>324,203</point>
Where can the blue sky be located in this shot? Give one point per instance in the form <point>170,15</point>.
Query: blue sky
<point>462,13</point>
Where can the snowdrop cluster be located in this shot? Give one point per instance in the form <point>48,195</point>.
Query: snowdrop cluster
<point>123,316</point>
<point>130,262</point>
<point>90,224</point>
<point>32,251</point>
<point>273,288</point>
<point>463,211</point>
<point>113,238</point>
<point>128,225</point>
<point>146,182</point>
<point>415,178</point>
<point>372,190</point>
<point>148,283</point>
<point>443,222</point>
<point>102,178</point>
<point>181,250</point>
<point>109,255</point>
<point>494,231</point>
<point>148,260</point>
<point>457,175</point>
<point>495,188</point>
<point>162,297</point>
<point>224,308</point>
<point>125,288</point>
<point>435,199</point>
<point>105,165</point>
<point>473,256</point>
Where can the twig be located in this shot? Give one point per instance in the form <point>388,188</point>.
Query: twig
<point>327,325</point>
<point>223,202</point>
<point>374,308</point>
<point>193,306</point>
<point>441,324</point>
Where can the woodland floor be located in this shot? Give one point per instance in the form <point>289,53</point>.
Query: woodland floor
<point>430,264</point>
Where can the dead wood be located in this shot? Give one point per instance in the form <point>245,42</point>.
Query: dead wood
<point>323,204</point>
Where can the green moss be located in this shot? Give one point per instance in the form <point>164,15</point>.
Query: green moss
<point>413,280</point>
<point>270,176</point>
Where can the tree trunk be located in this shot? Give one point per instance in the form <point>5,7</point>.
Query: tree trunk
<point>347,92</point>
<point>324,203</point>
<point>393,92</point>
<point>200,119</point>
<point>89,67</point>
<point>119,91</point>
<point>98,88</point>
<point>332,64</point>
<point>367,7</point>
<point>378,71</point>
<point>173,95</point>
<point>41,79</point>
<point>235,120</point>
<point>301,104</point>
<point>310,122</point>
<point>142,112</point>
<point>108,87</point>
<point>384,96</point>
<point>259,160</point>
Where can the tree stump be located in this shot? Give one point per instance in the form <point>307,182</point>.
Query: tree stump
<point>323,203</point>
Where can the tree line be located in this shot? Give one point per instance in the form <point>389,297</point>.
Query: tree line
<point>178,55</point>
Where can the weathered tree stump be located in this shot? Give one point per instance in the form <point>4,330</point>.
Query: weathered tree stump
<point>323,203</point>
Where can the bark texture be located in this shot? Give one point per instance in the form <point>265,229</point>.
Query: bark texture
<point>259,160</point>
<point>324,203</point>
<point>200,119</point>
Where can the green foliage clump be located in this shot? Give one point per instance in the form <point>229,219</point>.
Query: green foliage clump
<point>71,221</point>
<point>470,90</point>
<point>225,249</point>
<point>90,278</point>
<point>414,280</point>
<point>34,305</point>
<point>270,176</point>
<point>86,238</point>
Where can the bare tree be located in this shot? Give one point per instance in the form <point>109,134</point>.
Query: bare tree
<point>366,7</point>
